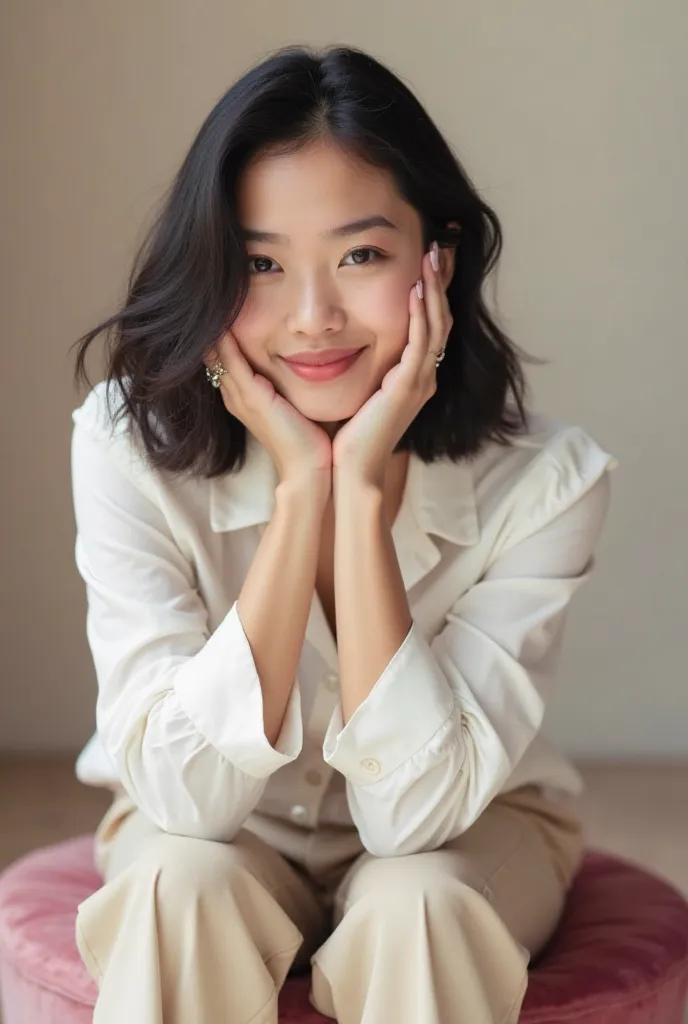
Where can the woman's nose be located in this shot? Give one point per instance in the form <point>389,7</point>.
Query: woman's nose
<point>315,309</point>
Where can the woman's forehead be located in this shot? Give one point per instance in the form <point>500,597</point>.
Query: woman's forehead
<point>319,191</point>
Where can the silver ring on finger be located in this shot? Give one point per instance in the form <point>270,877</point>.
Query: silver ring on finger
<point>440,356</point>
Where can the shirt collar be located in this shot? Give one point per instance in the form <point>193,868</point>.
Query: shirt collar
<point>439,497</point>
<point>439,500</point>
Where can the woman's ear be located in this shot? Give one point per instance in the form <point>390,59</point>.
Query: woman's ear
<point>210,359</point>
<point>447,257</point>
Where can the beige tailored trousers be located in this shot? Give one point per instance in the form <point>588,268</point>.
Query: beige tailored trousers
<point>191,931</point>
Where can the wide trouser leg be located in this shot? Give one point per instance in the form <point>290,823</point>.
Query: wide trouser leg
<point>443,937</point>
<point>188,930</point>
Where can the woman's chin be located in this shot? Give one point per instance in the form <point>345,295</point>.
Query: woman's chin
<point>324,411</point>
<point>323,403</point>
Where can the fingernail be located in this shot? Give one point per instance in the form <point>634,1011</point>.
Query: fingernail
<point>419,287</point>
<point>434,258</point>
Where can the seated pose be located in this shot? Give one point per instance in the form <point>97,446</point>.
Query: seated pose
<point>328,554</point>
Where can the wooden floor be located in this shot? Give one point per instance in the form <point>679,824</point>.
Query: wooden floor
<point>636,810</point>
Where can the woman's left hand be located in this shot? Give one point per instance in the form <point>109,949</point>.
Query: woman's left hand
<point>363,447</point>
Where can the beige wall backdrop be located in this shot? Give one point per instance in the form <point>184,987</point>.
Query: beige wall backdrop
<point>571,118</point>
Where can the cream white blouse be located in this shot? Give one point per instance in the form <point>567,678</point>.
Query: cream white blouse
<point>491,553</point>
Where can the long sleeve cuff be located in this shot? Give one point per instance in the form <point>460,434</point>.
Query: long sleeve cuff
<point>219,689</point>
<point>409,703</point>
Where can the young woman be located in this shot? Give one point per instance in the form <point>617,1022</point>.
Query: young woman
<point>328,555</point>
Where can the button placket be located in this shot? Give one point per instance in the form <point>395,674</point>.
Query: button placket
<point>331,682</point>
<point>324,703</point>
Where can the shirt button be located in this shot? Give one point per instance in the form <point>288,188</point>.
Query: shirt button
<point>298,812</point>
<point>370,765</point>
<point>331,681</point>
<point>313,778</point>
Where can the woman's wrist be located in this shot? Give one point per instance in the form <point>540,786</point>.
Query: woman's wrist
<point>311,490</point>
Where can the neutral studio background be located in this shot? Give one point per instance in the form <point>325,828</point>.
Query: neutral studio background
<point>569,116</point>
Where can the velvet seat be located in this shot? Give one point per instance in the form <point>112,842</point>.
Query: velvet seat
<point>620,955</point>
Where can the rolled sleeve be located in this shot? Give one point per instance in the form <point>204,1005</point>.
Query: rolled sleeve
<point>179,712</point>
<point>409,703</point>
<point>230,713</point>
<point>447,722</point>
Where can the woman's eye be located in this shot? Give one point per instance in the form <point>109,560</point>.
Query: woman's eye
<point>376,254</point>
<point>259,259</point>
<point>362,256</point>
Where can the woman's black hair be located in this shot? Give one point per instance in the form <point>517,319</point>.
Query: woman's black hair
<point>190,276</point>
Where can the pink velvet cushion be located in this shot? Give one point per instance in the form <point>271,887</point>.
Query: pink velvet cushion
<point>620,955</point>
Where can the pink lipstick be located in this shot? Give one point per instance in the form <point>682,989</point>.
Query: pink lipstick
<point>321,366</point>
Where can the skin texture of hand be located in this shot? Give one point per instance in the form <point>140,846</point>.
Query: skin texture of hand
<point>298,447</point>
<point>363,447</point>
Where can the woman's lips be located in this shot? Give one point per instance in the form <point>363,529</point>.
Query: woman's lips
<point>326,371</point>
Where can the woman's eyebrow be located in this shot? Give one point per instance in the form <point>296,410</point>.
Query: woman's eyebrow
<point>355,227</point>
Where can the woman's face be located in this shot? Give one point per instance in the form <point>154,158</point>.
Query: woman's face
<point>315,289</point>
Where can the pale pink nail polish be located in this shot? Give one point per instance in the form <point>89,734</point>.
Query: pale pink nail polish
<point>419,287</point>
<point>434,258</point>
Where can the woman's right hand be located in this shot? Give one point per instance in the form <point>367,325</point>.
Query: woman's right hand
<point>300,449</point>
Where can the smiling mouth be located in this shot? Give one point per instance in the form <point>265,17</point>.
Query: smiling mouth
<point>322,357</point>
<point>323,371</point>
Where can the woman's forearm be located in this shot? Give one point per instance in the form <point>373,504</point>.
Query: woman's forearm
<point>373,614</point>
<point>276,597</point>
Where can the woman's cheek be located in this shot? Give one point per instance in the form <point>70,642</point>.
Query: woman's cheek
<point>390,317</point>
<point>251,330</point>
